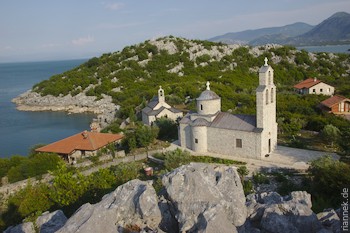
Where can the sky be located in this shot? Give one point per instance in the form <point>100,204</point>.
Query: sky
<point>39,30</point>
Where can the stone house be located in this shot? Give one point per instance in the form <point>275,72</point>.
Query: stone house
<point>158,108</point>
<point>336,104</point>
<point>250,136</point>
<point>80,145</point>
<point>314,86</point>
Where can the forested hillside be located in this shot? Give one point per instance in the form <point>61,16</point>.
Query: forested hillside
<point>182,67</point>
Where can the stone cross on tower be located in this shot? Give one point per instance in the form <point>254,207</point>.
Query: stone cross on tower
<point>266,61</point>
<point>208,85</point>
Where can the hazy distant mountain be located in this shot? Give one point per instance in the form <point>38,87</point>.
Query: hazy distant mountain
<point>245,37</point>
<point>335,29</point>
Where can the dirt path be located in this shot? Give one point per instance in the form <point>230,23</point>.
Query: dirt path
<point>282,157</point>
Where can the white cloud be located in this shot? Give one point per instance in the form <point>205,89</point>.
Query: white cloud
<point>83,40</point>
<point>114,6</point>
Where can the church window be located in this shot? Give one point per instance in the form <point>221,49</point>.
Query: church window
<point>272,95</point>
<point>321,90</point>
<point>196,140</point>
<point>267,96</point>
<point>270,78</point>
<point>201,106</point>
<point>239,143</point>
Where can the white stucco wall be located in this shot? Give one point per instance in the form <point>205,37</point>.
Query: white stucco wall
<point>321,88</point>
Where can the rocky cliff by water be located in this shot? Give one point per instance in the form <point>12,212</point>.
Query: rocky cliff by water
<point>104,108</point>
<point>195,198</point>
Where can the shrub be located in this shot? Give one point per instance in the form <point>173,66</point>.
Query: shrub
<point>260,178</point>
<point>328,178</point>
<point>167,129</point>
<point>126,171</point>
<point>176,158</point>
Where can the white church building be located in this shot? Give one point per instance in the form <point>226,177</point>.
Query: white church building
<point>158,108</point>
<point>210,130</point>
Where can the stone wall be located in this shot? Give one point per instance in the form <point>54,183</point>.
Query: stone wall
<point>207,107</point>
<point>223,141</point>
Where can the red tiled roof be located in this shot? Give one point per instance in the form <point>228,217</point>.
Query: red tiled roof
<point>307,83</point>
<point>333,100</point>
<point>88,141</point>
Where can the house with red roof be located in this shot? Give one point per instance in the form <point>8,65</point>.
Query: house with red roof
<point>336,104</point>
<point>80,145</point>
<point>314,86</point>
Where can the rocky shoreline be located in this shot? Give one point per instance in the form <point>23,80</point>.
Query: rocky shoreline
<point>104,108</point>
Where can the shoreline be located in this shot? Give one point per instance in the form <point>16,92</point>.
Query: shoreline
<point>104,108</point>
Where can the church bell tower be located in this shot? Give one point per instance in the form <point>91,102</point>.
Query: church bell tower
<point>266,108</point>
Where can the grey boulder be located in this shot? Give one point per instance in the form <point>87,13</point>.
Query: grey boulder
<point>206,196</point>
<point>133,205</point>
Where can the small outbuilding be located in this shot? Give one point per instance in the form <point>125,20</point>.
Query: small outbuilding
<point>336,104</point>
<point>314,86</point>
<point>83,144</point>
<point>158,108</point>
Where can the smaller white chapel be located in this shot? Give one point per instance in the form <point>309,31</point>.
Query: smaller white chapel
<point>158,108</point>
<point>250,136</point>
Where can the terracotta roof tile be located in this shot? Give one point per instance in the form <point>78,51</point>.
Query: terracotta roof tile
<point>333,100</point>
<point>307,83</point>
<point>88,141</point>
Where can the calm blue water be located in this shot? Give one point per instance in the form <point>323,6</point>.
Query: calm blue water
<point>328,48</point>
<point>21,130</point>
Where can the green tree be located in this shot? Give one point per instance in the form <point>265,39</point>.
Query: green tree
<point>167,129</point>
<point>331,134</point>
<point>328,178</point>
<point>67,187</point>
<point>145,135</point>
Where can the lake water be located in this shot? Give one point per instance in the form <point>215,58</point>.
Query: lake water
<point>328,48</point>
<point>19,130</point>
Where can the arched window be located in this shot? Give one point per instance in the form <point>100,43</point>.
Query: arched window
<point>201,106</point>
<point>271,95</point>
<point>267,96</point>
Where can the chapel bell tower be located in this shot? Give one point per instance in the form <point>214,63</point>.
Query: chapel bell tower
<point>266,108</point>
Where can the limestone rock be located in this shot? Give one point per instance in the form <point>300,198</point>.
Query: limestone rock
<point>201,193</point>
<point>133,204</point>
<point>51,222</point>
<point>272,213</point>
<point>27,227</point>
<point>330,220</point>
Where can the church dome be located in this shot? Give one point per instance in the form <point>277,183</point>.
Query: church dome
<point>200,122</point>
<point>208,95</point>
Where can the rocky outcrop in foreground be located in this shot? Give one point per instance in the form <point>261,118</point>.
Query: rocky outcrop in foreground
<point>33,101</point>
<point>196,198</point>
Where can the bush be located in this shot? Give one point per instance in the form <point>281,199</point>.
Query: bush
<point>126,171</point>
<point>328,178</point>
<point>247,187</point>
<point>260,178</point>
<point>167,129</point>
<point>176,158</point>
<point>37,165</point>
